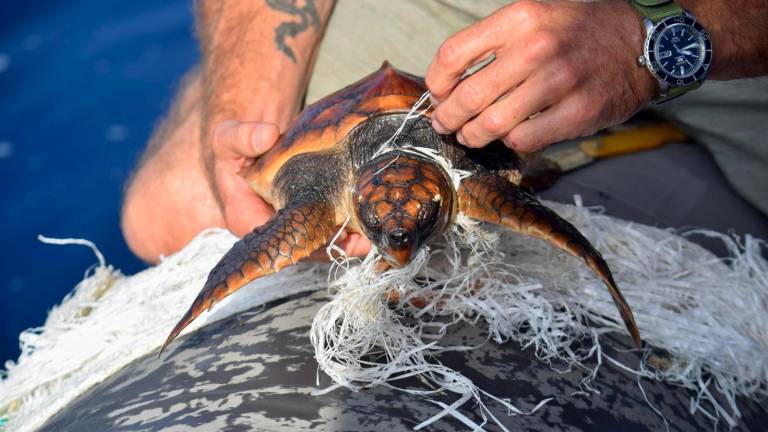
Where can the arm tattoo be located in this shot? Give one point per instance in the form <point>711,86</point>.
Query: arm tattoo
<point>307,17</point>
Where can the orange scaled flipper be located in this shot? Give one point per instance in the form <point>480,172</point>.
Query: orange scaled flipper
<point>492,198</point>
<point>291,234</point>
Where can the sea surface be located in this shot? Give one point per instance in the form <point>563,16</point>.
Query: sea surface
<point>82,84</point>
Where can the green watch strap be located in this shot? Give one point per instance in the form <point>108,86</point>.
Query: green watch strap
<point>675,92</point>
<point>656,10</point>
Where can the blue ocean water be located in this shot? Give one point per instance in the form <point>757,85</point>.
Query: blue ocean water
<point>82,84</point>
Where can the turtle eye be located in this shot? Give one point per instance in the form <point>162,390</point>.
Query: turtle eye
<point>370,221</point>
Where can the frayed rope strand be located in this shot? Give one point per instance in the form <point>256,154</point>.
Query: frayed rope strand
<point>75,241</point>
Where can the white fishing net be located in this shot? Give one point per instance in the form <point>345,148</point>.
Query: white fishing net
<point>109,320</point>
<point>710,314</point>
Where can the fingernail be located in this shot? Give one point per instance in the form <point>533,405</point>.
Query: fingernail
<point>439,128</point>
<point>460,138</point>
<point>260,135</point>
<point>257,136</point>
<point>433,100</point>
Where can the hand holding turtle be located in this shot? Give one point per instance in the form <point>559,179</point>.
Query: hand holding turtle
<point>269,90</point>
<point>188,175</point>
<point>563,69</point>
<point>233,148</point>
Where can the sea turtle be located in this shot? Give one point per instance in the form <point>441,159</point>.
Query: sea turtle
<point>329,167</point>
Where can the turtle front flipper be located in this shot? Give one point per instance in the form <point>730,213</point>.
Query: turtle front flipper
<point>291,234</point>
<point>492,198</point>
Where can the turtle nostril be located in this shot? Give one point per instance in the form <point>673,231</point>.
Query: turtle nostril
<point>397,238</point>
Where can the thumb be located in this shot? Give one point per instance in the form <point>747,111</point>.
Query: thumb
<point>233,139</point>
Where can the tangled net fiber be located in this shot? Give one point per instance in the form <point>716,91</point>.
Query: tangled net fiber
<point>710,314</point>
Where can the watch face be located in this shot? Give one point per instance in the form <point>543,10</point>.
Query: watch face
<point>679,51</point>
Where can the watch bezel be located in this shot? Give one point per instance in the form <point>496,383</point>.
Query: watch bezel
<point>650,55</point>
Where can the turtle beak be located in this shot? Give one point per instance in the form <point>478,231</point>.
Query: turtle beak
<point>400,257</point>
<point>399,247</point>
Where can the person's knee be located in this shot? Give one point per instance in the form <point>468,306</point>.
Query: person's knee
<point>140,230</point>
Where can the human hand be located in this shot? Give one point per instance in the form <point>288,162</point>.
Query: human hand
<point>234,148</point>
<point>562,70</point>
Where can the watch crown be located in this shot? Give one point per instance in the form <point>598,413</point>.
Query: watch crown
<point>641,60</point>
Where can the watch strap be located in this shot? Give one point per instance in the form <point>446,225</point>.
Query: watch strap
<point>656,10</point>
<point>675,92</point>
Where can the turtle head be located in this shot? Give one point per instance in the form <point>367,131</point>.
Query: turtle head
<point>402,201</point>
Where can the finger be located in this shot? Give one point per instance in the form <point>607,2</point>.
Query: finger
<point>354,245</point>
<point>477,92</point>
<point>456,55</point>
<point>233,139</point>
<point>562,121</point>
<point>243,208</point>
<point>537,92</point>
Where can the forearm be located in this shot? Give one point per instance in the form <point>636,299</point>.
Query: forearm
<point>737,29</point>
<point>257,56</point>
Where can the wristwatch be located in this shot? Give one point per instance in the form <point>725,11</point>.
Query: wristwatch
<point>677,49</point>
